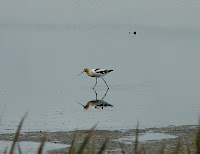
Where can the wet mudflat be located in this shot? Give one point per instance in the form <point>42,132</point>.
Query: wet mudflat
<point>170,137</point>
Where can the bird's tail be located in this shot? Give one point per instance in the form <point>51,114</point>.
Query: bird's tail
<point>110,71</point>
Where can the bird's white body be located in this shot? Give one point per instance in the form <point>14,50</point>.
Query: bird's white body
<point>99,72</point>
<point>98,104</point>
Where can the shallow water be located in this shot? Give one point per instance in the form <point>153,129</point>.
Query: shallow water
<point>31,147</point>
<point>156,78</point>
<point>146,137</point>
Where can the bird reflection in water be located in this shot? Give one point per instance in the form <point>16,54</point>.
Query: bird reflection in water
<point>98,104</point>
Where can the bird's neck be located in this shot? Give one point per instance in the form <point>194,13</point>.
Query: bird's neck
<point>91,103</point>
<point>89,73</point>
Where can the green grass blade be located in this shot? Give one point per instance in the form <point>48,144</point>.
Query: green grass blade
<point>103,147</point>
<point>178,146</point>
<point>17,134</point>
<point>188,149</point>
<point>72,149</point>
<point>86,140</point>
<point>122,148</point>
<point>162,148</point>
<point>42,144</point>
<point>198,140</point>
<point>142,150</point>
<point>136,139</point>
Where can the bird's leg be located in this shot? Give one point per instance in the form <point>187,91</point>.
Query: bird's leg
<point>105,82</point>
<point>105,94</point>
<point>95,93</point>
<point>95,83</point>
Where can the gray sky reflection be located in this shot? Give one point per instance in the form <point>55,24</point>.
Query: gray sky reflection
<point>179,13</point>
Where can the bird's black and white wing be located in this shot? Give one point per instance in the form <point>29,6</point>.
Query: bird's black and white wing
<point>99,72</point>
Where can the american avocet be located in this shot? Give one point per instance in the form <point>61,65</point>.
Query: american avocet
<point>98,104</point>
<point>99,72</point>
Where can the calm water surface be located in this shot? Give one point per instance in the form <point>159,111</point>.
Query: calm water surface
<point>156,77</point>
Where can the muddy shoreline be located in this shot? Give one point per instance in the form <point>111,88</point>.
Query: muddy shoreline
<point>185,135</point>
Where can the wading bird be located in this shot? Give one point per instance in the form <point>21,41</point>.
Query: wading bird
<point>99,72</point>
<point>97,104</point>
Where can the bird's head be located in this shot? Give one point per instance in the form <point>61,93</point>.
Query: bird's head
<point>86,70</point>
<point>86,107</point>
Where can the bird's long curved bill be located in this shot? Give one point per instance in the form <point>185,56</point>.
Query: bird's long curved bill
<point>80,104</point>
<point>80,73</point>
